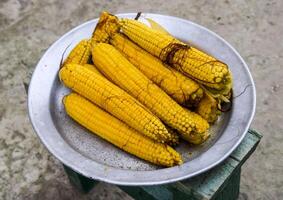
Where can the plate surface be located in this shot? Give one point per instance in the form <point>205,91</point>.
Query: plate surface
<point>91,156</point>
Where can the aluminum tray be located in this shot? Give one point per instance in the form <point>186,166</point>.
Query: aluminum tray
<point>95,158</point>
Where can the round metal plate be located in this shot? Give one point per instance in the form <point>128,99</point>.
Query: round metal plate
<point>97,159</point>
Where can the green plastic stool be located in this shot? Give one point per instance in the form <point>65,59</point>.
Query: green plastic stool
<point>220,183</point>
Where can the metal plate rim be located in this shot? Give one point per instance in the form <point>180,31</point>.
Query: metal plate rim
<point>87,173</point>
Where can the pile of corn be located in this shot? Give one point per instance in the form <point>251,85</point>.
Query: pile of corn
<point>140,88</point>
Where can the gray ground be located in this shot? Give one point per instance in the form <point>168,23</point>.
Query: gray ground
<point>28,27</point>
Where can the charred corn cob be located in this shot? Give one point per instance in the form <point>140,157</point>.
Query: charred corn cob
<point>81,53</point>
<point>184,90</point>
<point>117,68</point>
<point>114,100</point>
<point>190,61</point>
<point>118,133</point>
<point>207,108</point>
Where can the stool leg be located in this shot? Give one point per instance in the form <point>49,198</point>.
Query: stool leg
<point>81,182</point>
<point>232,189</point>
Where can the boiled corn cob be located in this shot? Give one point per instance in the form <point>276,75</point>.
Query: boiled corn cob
<point>117,68</point>
<point>207,108</point>
<point>114,100</point>
<point>118,133</point>
<point>182,89</point>
<point>81,53</point>
<point>190,61</point>
<point>95,70</point>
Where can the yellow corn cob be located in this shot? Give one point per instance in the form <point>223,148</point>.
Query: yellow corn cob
<point>207,108</point>
<point>95,70</point>
<point>184,90</point>
<point>118,69</point>
<point>190,61</point>
<point>81,53</point>
<point>114,100</point>
<point>116,132</point>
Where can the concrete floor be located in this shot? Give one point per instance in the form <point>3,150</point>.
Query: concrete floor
<point>29,27</point>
